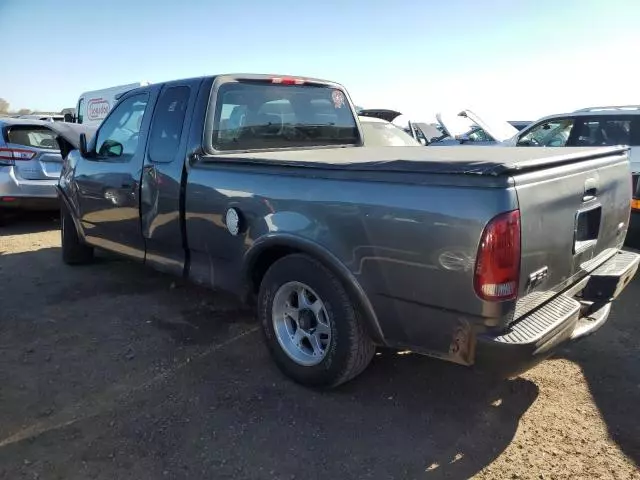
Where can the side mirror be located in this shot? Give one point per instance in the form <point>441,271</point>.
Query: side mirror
<point>111,148</point>
<point>68,118</point>
<point>83,145</point>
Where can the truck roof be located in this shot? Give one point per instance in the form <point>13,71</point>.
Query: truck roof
<point>276,78</point>
<point>480,160</point>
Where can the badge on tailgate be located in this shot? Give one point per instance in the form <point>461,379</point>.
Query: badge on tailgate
<point>536,278</point>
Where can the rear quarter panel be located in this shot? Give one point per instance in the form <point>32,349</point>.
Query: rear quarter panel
<point>411,247</point>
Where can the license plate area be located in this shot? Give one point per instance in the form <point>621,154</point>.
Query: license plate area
<point>587,229</point>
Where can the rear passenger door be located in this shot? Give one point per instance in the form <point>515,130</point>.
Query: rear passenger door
<point>108,182</point>
<point>160,202</point>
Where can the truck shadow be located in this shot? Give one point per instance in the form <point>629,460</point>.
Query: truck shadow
<point>464,418</point>
<point>611,367</point>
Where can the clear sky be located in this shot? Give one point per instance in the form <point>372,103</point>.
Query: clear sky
<point>519,60</point>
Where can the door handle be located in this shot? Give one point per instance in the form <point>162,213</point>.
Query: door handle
<point>590,189</point>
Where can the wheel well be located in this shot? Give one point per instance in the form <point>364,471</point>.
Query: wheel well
<point>265,260</point>
<point>274,253</point>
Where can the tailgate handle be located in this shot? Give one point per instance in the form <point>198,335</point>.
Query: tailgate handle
<point>590,189</point>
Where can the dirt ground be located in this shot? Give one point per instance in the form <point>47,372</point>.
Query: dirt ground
<point>112,371</point>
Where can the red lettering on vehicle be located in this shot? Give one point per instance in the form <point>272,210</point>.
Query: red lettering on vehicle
<point>97,108</point>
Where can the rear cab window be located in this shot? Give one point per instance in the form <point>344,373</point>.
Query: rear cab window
<point>279,114</point>
<point>34,136</point>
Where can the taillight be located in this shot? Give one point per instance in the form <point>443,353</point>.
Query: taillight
<point>635,194</point>
<point>9,155</point>
<point>498,260</point>
<point>287,81</point>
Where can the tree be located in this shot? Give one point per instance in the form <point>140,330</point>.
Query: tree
<point>4,106</point>
<point>24,111</point>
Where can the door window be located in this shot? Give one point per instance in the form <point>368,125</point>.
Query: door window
<point>120,132</point>
<point>598,132</point>
<point>634,135</point>
<point>552,133</point>
<point>479,135</point>
<point>32,136</point>
<point>168,118</point>
<point>79,113</point>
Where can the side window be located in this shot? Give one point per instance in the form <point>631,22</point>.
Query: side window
<point>598,132</point>
<point>166,129</point>
<point>419,135</point>
<point>119,133</point>
<point>79,110</point>
<point>634,140</point>
<point>553,133</point>
<point>479,135</point>
<point>31,136</point>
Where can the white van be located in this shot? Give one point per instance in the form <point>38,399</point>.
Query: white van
<point>94,106</point>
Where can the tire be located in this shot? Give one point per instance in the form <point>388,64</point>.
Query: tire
<point>349,349</point>
<point>74,252</point>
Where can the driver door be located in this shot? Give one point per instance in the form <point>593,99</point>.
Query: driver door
<point>108,183</point>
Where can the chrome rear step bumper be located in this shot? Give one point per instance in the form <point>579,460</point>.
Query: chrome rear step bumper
<point>563,319</point>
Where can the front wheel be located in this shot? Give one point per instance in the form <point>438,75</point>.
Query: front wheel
<point>74,252</point>
<point>313,330</point>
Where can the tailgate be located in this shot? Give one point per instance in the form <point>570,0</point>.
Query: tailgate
<point>573,217</point>
<point>46,165</point>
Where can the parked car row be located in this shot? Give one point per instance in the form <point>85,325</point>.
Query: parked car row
<point>588,127</point>
<point>593,127</point>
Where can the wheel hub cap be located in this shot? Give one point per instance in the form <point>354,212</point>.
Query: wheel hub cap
<point>301,323</point>
<point>306,320</point>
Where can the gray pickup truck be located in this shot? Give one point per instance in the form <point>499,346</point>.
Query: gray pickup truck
<point>261,186</point>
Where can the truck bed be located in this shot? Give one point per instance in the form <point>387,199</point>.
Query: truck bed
<point>487,161</point>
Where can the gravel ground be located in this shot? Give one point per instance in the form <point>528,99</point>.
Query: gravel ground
<point>112,371</point>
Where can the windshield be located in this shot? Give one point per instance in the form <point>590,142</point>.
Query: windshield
<point>383,134</point>
<point>258,115</point>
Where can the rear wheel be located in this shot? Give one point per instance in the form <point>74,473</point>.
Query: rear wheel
<point>314,332</point>
<point>74,252</point>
